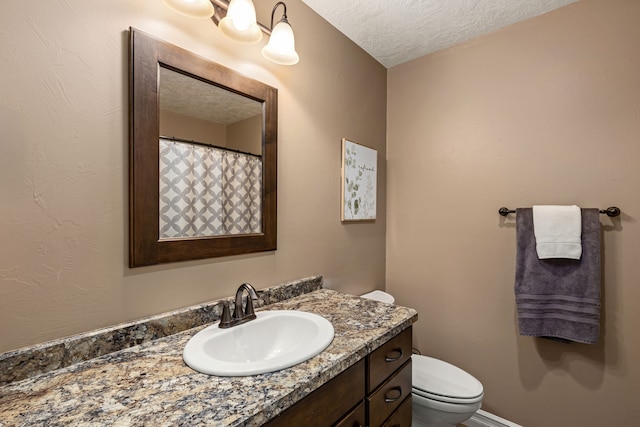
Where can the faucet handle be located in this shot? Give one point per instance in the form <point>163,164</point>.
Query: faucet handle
<point>225,318</point>
<point>248,309</point>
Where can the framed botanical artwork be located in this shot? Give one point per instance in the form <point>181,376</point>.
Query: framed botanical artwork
<point>359,182</point>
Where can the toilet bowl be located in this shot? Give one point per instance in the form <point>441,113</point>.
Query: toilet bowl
<point>443,395</point>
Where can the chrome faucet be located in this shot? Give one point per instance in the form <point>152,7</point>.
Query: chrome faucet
<point>240,315</point>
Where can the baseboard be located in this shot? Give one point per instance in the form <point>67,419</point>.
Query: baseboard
<point>485,419</point>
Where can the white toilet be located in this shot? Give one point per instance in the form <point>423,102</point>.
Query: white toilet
<point>443,395</point>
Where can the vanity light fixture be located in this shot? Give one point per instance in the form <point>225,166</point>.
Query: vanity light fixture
<point>281,48</point>
<point>240,22</point>
<point>237,20</point>
<point>192,8</point>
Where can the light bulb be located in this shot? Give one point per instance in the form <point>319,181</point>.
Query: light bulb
<point>281,48</point>
<point>240,22</point>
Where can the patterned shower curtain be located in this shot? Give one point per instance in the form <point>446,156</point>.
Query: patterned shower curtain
<point>206,191</point>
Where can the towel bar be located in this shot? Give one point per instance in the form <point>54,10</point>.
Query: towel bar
<point>611,211</point>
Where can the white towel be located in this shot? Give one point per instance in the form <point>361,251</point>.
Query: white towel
<point>558,231</point>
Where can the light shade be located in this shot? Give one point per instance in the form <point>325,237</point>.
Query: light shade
<point>240,23</point>
<point>281,48</point>
<point>192,8</point>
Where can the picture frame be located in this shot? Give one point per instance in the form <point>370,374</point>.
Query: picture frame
<point>359,182</point>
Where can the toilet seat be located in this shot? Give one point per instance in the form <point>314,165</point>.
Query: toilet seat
<point>438,380</point>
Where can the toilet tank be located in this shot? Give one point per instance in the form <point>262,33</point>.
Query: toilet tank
<point>379,296</point>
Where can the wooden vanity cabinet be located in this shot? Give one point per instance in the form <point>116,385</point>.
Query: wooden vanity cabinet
<point>389,382</point>
<point>374,392</point>
<point>402,416</point>
<point>356,418</point>
<point>327,405</point>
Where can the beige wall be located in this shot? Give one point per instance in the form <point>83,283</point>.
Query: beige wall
<point>544,112</point>
<point>246,135</point>
<point>192,128</point>
<point>63,165</point>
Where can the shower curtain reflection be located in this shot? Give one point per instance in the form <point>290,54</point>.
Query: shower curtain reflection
<point>207,191</point>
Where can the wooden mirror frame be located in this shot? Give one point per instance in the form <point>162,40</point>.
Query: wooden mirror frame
<point>145,247</point>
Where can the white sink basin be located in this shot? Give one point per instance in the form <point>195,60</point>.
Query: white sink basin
<point>275,340</point>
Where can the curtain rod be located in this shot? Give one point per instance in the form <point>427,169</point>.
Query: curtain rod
<point>611,211</point>
<point>204,144</point>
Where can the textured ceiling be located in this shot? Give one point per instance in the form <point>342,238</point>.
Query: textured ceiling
<point>191,97</point>
<point>396,31</point>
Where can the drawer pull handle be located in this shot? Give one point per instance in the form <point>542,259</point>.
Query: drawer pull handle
<point>393,394</point>
<point>391,357</point>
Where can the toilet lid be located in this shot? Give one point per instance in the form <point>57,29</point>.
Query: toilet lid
<point>444,381</point>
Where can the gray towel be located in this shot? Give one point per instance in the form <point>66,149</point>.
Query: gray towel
<point>558,299</point>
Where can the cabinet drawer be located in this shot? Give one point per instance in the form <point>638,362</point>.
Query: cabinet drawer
<point>388,397</point>
<point>402,416</point>
<point>387,358</point>
<point>357,417</point>
<point>327,405</point>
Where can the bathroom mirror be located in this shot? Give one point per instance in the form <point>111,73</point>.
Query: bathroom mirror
<point>198,129</point>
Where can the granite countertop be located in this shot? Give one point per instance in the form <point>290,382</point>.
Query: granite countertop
<point>149,384</point>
